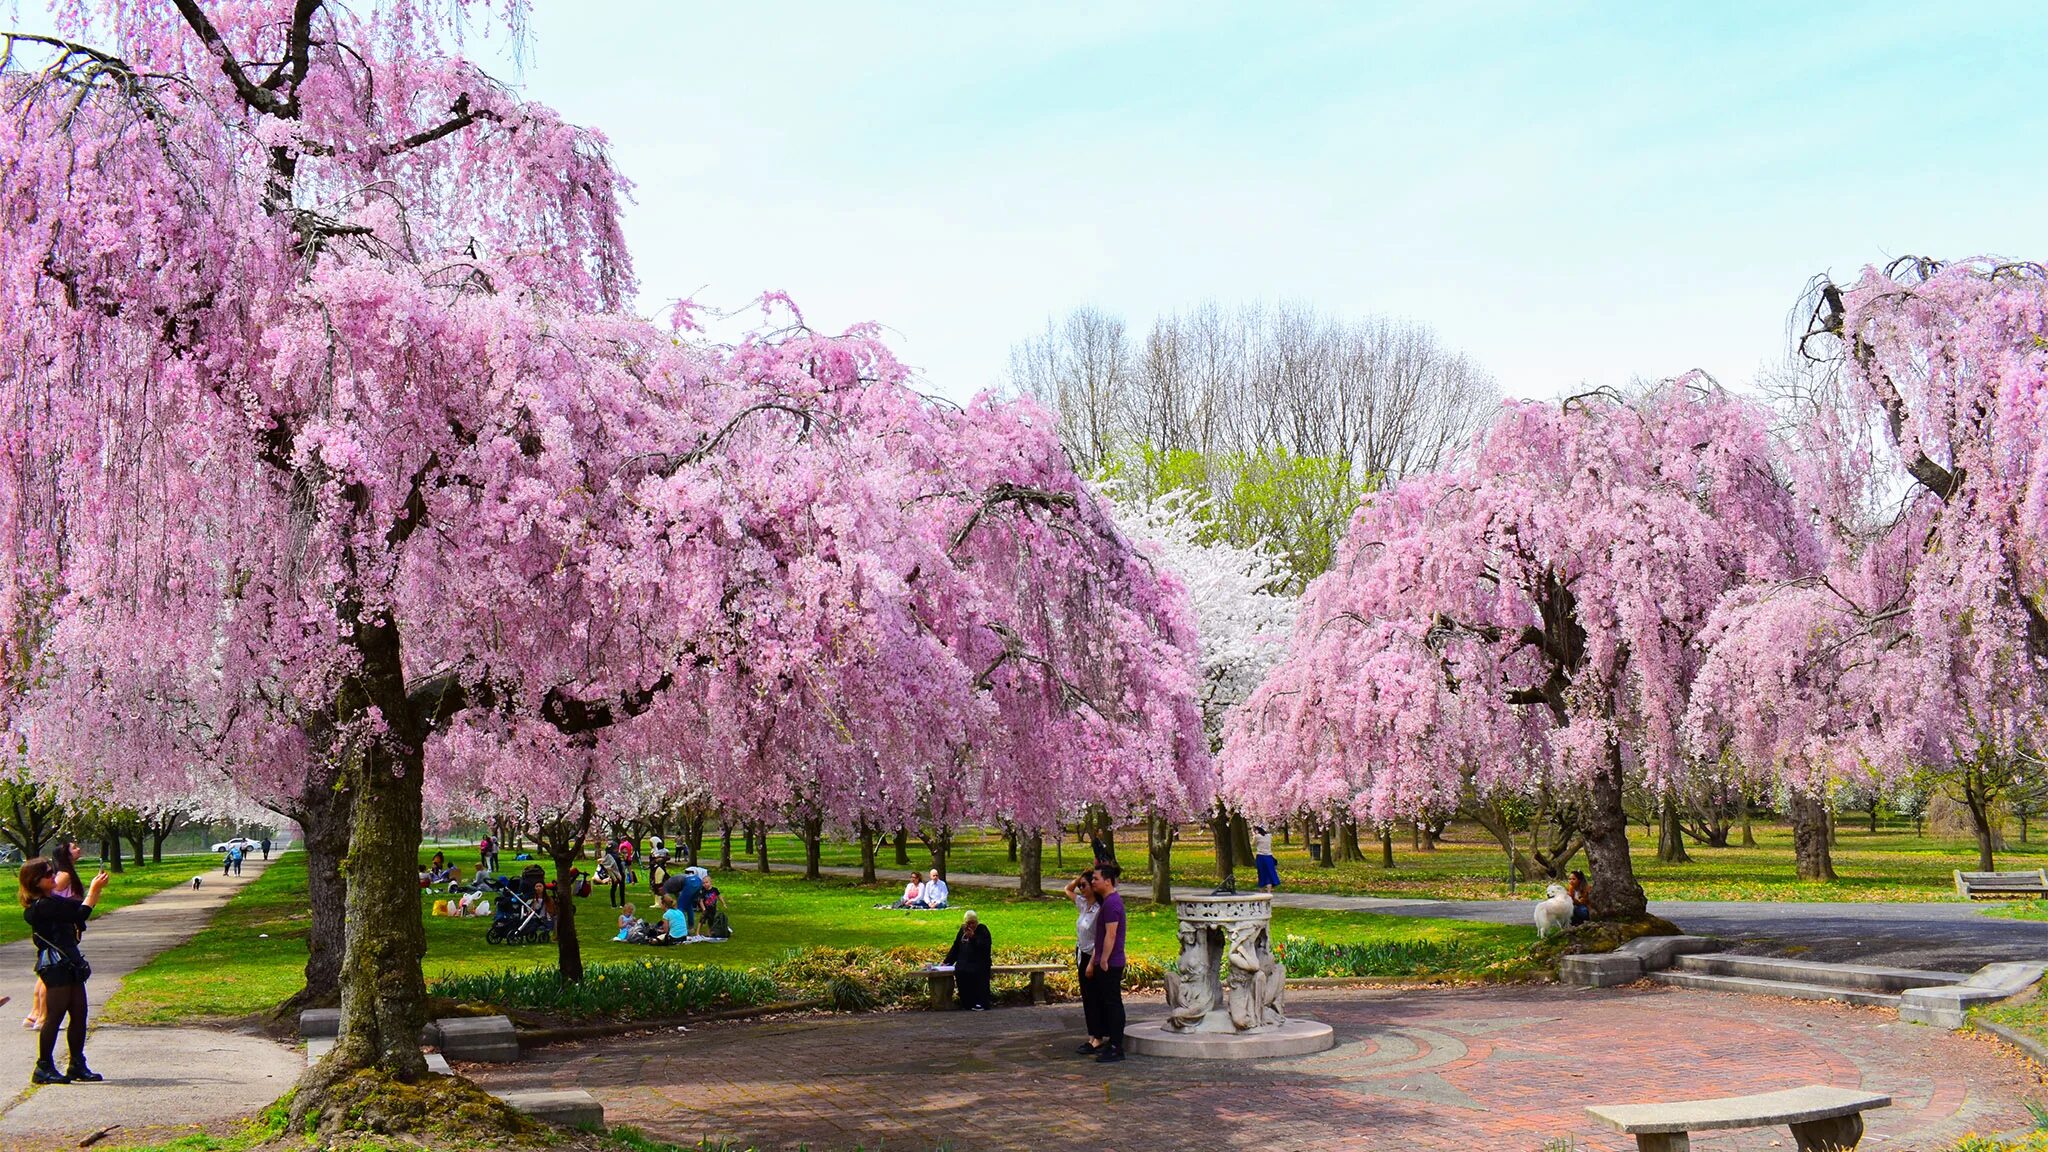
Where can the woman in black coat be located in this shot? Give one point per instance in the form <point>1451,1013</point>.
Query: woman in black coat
<point>971,958</point>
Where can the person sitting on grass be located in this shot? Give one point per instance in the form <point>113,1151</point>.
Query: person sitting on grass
<point>1582,898</point>
<point>675,922</point>
<point>935,891</point>
<point>627,922</point>
<point>913,894</point>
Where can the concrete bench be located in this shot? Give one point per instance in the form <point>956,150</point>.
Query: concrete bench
<point>487,1039</point>
<point>1822,1119</point>
<point>320,1022</point>
<point>568,1107</point>
<point>2002,885</point>
<point>942,982</point>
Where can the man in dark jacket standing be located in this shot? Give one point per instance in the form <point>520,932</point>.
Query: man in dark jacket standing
<point>971,957</point>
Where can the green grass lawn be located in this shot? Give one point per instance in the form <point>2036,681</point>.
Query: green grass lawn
<point>1890,864</point>
<point>137,882</point>
<point>251,957</point>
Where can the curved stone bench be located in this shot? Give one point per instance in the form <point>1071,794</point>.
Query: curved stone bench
<point>1822,1119</point>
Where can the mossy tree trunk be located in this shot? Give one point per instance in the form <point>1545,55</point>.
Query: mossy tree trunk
<point>902,844</point>
<point>812,829</point>
<point>1347,839</point>
<point>725,846</point>
<point>1387,846</point>
<point>324,809</point>
<point>1031,865</point>
<point>938,842</point>
<point>1159,852</point>
<point>1670,839</point>
<point>562,838</point>
<point>693,832</point>
<point>1226,855</point>
<point>383,991</point>
<point>867,853</point>
<point>761,846</point>
<point>1810,837</point>
<point>1616,895</point>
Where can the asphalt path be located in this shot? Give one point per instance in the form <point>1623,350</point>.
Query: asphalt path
<point>1946,935</point>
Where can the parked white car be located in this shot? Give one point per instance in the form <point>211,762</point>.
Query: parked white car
<point>243,842</point>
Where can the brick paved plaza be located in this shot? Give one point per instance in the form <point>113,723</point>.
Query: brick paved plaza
<point>1506,1068</point>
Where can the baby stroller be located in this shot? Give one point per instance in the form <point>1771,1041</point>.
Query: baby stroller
<point>521,915</point>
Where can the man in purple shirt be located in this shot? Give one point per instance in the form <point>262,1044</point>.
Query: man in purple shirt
<point>1106,964</point>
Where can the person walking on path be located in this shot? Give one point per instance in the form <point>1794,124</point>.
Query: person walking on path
<point>972,960</point>
<point>1081,890</point>
<point>1106,966</point>
<point>54,923</point>
<point>1262,855</point>
<point>266,847</point>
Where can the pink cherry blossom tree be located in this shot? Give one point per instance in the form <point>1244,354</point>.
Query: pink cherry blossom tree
<point>1532,614</point>
<point>1924,642</point>
<point>368,466</point>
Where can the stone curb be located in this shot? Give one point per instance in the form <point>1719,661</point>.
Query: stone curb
<point>539,1036</point>
<point>2014,1037</point>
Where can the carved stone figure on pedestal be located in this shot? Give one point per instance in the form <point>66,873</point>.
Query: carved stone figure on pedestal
<point>1189,989</point>
<point>1246,940</point>
<point>1226,995</point>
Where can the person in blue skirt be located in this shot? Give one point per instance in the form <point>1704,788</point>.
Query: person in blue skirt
<point>1262,855</point>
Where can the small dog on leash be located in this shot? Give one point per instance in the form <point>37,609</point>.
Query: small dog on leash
<point>1554,911</point>
<point>195,882</point>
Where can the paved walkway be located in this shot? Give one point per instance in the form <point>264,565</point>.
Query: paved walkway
<point>155,1076</point>
<point>1504,1069</point>
<point>1943,935</point>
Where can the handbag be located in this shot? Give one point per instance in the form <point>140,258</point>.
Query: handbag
<point>54,965</point>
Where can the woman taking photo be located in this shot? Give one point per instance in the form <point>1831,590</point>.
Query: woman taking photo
<point>54,923</point>
<point>64,858</point>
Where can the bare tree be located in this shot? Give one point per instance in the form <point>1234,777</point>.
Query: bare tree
<point>1079,368</point>
<point>1289,400</point>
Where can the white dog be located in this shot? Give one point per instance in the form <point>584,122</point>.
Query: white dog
<point>1553,912</point>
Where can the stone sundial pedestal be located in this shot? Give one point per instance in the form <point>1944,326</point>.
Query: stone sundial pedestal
<point>1226,995</point>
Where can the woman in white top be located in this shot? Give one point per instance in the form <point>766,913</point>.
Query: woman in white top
<point>1081,890</point>
<point>1262,855</point>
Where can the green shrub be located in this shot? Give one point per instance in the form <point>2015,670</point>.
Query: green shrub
<point>646,989</point>
<point>1424,957</point>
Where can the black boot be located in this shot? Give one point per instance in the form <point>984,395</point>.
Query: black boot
<point>78,1073</point>
<point>46,1073</point>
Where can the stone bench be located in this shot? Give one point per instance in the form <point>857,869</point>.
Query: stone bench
<point>2002,885</point>
<point>485,1039</point>
<point>320,1022</point>
<point>568,1107</point>
<point>942,982</point>
<point>1822,1119</point>
<point>318,1047</point>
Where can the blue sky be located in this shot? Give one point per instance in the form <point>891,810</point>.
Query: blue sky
<point>1573,193</point>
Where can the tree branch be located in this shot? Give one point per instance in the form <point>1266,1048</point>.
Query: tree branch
<point>252,94</point>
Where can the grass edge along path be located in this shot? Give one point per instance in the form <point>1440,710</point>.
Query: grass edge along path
<point>1892,864</point>
<point>134,884</point>
<point>251,956</point>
